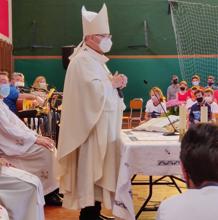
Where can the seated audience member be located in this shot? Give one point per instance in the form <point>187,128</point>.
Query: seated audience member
<point>40,83</point>
<point>195,81</point>
<point>182,95</point>
<point>20,193</point>
<point>199,161</point>
<point>208,97</point>
<point>195,112</point>
<point>17,81</point>
<point>191,100</point>
<point>40,87</point>
<point>156,105</point>
<point>23,147</point>
<point>211,83</point>
<point>173,88</point>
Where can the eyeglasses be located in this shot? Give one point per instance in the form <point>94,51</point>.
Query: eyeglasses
<point>104,35</point>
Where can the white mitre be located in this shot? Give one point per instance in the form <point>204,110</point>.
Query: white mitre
<point>95,23</point>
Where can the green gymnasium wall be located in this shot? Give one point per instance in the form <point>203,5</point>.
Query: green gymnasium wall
<point>58,23</point>
<point>155,71</point>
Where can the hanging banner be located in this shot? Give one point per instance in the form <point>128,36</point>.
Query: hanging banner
<point>5,20</point>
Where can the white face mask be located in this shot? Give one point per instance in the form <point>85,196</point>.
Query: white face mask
<point>154,99</point>
<point>105,45</point>
<point>195,83</point>
<point>19,84</point>
<point>42,85</point>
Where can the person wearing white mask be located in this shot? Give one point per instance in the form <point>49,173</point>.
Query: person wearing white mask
<point>40,84</point>
<point>40,88</point>
<point>156,105</point>
<point>17,81</point>
<point>25,149</point>
<point>195,80</point>
<point>89,139</point>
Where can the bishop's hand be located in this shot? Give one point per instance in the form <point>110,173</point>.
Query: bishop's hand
<point>119,81</point>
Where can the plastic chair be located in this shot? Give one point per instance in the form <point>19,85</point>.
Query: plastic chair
<point>136,106</point>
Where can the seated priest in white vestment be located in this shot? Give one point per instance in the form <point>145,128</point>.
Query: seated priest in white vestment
<point>21,194</point>
<point>89,140</point>
<point>3,213</point>
<point>23,147</point>
<point>199,162</point>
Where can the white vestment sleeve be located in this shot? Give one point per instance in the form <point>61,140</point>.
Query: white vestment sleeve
<point>3,213</point>
<point>15,137</point>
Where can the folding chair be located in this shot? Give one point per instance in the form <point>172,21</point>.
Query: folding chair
<point>136,106</point>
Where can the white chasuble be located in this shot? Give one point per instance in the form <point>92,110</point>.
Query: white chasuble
<point>89,140</point>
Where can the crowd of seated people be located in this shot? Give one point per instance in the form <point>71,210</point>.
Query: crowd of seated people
<point>178,94</point>
<point>32,104</point>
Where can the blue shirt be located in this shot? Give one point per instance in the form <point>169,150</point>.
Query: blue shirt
<point>11,99</point>
<point>195,113</point>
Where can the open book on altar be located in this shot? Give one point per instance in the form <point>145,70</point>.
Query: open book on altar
<point>161,124</point>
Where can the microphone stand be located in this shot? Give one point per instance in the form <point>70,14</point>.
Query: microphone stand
<point>159,102</point>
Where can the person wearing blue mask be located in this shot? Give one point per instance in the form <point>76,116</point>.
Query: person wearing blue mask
<point>4,90</point>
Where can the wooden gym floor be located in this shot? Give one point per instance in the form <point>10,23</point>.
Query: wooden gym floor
<point>139,195</point>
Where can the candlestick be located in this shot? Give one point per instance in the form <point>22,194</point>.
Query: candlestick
<point>204,114</point>
<point>182,121</point>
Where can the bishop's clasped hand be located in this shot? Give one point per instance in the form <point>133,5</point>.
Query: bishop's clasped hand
<point>119,80</point>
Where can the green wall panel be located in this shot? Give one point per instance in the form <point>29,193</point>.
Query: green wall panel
<point>58,23</point>
<point>51,69</point>
<point>156,71</point>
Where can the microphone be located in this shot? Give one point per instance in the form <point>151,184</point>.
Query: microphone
<point>120,92</point>
<point>174,129</point>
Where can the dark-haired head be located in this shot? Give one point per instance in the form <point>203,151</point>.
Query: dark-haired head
<point>199,154</point>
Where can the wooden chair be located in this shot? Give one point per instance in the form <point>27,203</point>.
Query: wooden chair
<point>136,106</point>
<point>215,118</point>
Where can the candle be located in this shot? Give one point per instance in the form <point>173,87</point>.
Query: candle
<point>204,114</point>
<point>182,121</point>
<point>182,117</point>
